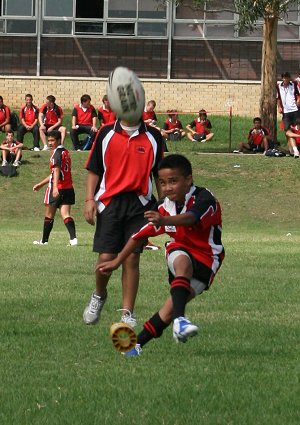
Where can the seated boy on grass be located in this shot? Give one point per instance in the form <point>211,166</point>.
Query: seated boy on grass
<point>257,139</point>
<point>191,216</point>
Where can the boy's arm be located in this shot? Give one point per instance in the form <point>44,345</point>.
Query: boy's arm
<point>42,183</point>
<point>108,266</point>
<point>90,208</point>
<point>186,219</point>
<point>56,172</point>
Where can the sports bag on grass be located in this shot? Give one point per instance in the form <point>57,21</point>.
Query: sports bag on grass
<point>275,152</point>
<point>8,170</point>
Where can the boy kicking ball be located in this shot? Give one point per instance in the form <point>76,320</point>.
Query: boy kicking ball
<point>60,192</point>
<point>191,216</point>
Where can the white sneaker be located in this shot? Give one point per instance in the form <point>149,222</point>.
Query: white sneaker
<point>40,243</point>
<point>236,151</point>
<point>296,155</point>
<point>4,163</point>
<point>36,149</point>
<point>73,242</point>
<point>16,163</point>
<point>183,329</point>
<point>92,312</point>
<point>128,317</point>
<point>45,148</point>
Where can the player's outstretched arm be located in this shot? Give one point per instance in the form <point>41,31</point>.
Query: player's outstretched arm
<point>108,266</point>
<point>42,183</point>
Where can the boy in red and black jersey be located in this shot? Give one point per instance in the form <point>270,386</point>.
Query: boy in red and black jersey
<point>293,135</point>
<point>84,117</point>
<point>105,114</point>
<point>50,118</point>
<point>4,117</point>
<point>172,129</point>
<point>258,138</point>
<point>11,150</point>
<point>60,192</point>
<point>192,217</point>
<point>122,161</point>
<point>29,122</point>
<point>200,128</point>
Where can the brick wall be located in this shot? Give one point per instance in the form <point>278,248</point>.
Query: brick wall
<point>187,96</point>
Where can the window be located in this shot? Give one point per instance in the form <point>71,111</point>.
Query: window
<point>220,31</point>
<point>189,30</point>
<point>19,7</point>
<point>221,15</point>
<point>16,26</point>
<point>122,9</point>
<point>88,28</point>
<point>153,29</point>
<point>189,11</point>
<point>116,28</point>
<point>150,9</point>
<point>57,27</point>
<point>89,9</point>
<point>58,8</point>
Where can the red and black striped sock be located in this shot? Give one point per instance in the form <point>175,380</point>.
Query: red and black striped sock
<point>70,225</point>
<point>180,291</point>
<point>153,328</point>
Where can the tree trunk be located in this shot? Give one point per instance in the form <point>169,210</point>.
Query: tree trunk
<point>268,106</point>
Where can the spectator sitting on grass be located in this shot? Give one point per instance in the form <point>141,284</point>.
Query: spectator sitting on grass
<point>202,126</point>
<point>11,150</point>
<point>293,137</point>
<point>172,129</point>
<point>258,138</point>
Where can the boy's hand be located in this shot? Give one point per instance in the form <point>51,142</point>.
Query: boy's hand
<point>90,211</point>
<point>107,266</point>
<point>154,217</point>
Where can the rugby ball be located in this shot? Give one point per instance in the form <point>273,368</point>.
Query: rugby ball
<point>126,94</point>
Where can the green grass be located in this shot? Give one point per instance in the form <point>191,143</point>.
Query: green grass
<point>243,368</point>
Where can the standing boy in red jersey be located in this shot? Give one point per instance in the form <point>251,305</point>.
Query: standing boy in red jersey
<point>122,161</point>
<point>191,216</point>
<point>60,192</point>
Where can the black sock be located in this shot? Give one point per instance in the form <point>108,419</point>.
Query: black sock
<point>70,225</point>
<point>48,224</point>
<point>180,291</point>
<point>153,328</point>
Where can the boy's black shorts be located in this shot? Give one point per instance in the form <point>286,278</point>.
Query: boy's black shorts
<point>122,217</point>
<point>66,197</point>
<point>200,271</point>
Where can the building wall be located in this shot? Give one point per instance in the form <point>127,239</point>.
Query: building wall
<point>184,95</point>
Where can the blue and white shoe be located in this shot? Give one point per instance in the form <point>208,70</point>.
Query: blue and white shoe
<point>183,329</point>
<point>136,351</point>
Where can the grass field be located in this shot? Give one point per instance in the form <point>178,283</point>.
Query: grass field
<point>243,368</point>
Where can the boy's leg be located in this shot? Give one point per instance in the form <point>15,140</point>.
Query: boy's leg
<point>92,312</point>
<point>130,281</point>
<point>65,211</point>
<point>19,154</point>
<point>43,137</point>
<point>36,136</point>
<point>62,131</point>
<point>48,222</point>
